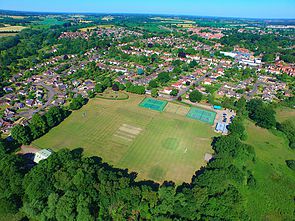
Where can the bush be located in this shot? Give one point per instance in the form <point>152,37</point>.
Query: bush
<point>174,92</point>
<point>291,164</point>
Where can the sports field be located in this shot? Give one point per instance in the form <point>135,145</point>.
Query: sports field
<point>153,104</point>
<point>157,145</point>
<point>202,115</point>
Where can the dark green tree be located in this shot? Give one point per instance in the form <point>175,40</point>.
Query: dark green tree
<point>195,96</point>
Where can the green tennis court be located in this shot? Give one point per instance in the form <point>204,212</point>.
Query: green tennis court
<point>202,115</point>
<point>153,104</point>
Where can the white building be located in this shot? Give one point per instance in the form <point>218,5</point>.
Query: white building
<point>42,155</point>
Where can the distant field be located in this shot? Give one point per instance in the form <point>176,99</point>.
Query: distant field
<point>7,34</point>
<point>47,22</point>
<point>9,28</point>
<point>95,27</point>
<point>273,196</point>
<point>14,16</point>
<point>186,25</point>
<point>157,145</point>
<point>173,20</point>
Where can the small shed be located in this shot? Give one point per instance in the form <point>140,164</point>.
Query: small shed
<point>42,155</point>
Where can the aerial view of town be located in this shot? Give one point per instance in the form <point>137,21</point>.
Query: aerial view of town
<point>131,111</point>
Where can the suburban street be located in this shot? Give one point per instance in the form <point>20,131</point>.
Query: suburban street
<point>29,113</point>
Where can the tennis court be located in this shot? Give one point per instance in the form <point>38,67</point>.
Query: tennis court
<point>202,115</point>
<point>153,104</point>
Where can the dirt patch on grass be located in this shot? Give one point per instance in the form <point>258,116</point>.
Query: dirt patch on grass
<point>130,129</point>
<point>128,132</point>
<point>27,149</point>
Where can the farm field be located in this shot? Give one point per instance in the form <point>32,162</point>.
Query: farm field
<point>47,22</point>
<point>7,34</point>
<point>9,28</point>
<point>157,145</point>
<point>97,26</point>
<point>272,197</point>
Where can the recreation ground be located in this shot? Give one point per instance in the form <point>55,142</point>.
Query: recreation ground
<point>153,138</point>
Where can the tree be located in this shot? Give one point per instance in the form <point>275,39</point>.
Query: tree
<point>288,128</point>
<point>153,84</point>
<point>22,134</point>
<point>107,82</point>
<point>78,102</point>
<point>136,89</point>
<point>154,92</point>
<point>11,191</point>
<point>54,116</point>
<point>38,126</point>
<point>291,164</point>
<point>262,114</point>
<point>195,96</point>
<point>91,94</point>
<point>163,77</point>
<point>241,106</point>
<point>268,58</point>
<point>237,128</point>
<point>99,88</point>
<point>174,92</point>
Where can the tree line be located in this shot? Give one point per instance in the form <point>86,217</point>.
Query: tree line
<point>38,125</point>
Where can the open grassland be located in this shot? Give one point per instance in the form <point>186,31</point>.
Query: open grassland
<point>157,145</point>
<point>273,196</point>
<point>285,114</point>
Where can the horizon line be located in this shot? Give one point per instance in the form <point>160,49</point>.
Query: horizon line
<point>139,13</point>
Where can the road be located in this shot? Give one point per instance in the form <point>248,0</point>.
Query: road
<point>28,114</point>
<point>197,81</point>
<point>255,88</point>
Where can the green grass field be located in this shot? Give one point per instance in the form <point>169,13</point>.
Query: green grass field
<point>157,145</point>
<point>285,114</point>
<point>47,23</point>
<point>273,196</point>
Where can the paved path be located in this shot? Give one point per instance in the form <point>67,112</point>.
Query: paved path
<point>254,91</point>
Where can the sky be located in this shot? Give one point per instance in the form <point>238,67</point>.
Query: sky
<point>222,8</point>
